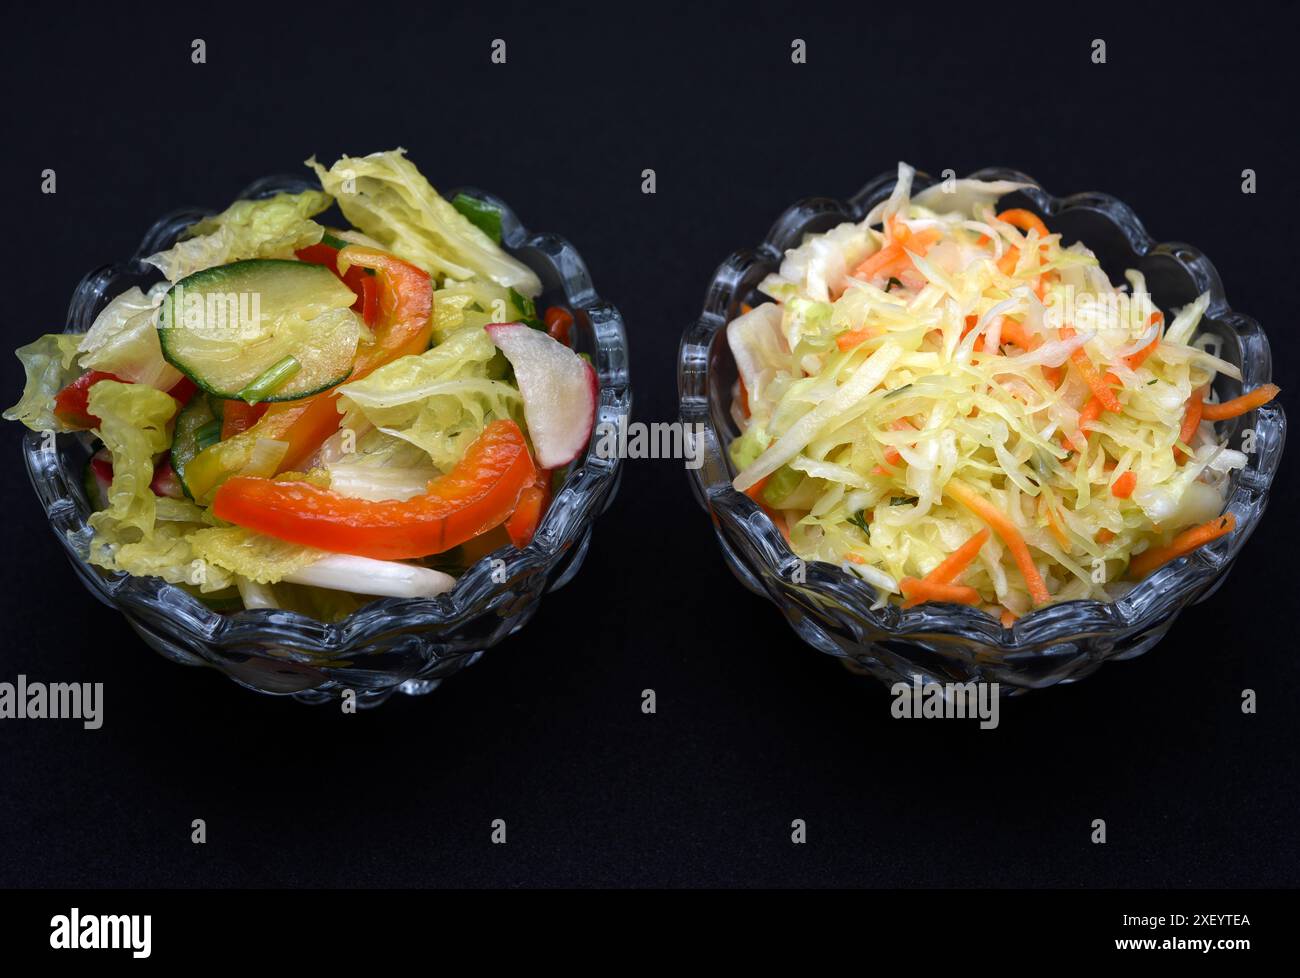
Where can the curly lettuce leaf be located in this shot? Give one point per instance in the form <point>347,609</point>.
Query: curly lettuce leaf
<point>133,427</point>
<point>123,341</point>
<point>49,365</point>
<point>387,198</point>
<point>439,400</point>
<point>254,556</point>
<point>272,228</point>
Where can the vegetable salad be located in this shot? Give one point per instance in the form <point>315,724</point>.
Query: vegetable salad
<point>306,414</point>
<point>958,407</point>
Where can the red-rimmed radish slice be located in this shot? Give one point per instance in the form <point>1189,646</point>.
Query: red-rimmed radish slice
<point>559,390</point>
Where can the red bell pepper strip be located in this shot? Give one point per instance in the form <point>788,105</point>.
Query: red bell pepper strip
<point>237,416</point>
<point>405,326</point>
<point>479,493</point>
<point>523,522</point>
<point>72,404</point>
<point>357,279</point>
<point>559,323</point>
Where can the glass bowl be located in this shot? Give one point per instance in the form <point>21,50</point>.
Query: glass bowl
<point>832,609</point>
<point>392,644</point>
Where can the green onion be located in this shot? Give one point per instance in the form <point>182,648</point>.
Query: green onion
<point>207,434</point>
<point>481,214</point>
<point>270,380</point>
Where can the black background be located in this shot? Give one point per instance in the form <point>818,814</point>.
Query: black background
<point>753,729</point>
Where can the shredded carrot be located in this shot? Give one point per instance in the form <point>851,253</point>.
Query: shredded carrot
<point>1123,487</point>
<point>1006,531</point>
<point>1025,220</point>
<point>1009,617</point>
<point>755,492</point>
<point>745,307</point>
<point>917,591</point>
<point>744,396</point>
<point>1007,263</point>
<point>1089,413</point>
<point>1191,421</point>
<point>892,454</point>
<point>879,261</point>
<point>950,568</point>
<point>853,558</point>
<point>1014,332</point>
<point>1100,389</point>
<point>1105,535</point>
<point>1240,405</point>
<point>1187,541</point>
<point>854,337</point>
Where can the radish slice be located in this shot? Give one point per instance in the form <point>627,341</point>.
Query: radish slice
<point>559,390</point>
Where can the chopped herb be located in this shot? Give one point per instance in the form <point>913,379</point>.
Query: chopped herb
<point>892,282</point>
<point>896,390</point>
<point>859,519</point>
<point>903,500</point>
<point>1150,382</point>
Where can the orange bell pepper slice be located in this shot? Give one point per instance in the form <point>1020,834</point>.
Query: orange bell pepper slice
<point>533,501</point>
<point>479,493</point>
<point>405,326</point>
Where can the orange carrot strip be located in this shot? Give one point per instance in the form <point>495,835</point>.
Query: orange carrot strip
<point>1008,617</point>
<point>1123,487</point>
<point>950,568</point>
<point>1006,531</point>
<point>1007,263</point>
<point>1014,332</point>
<point>877,262</point>
<point>1105,535</point>
<point>1187,541</point>
<point>1025,220</point>
<point>1100,389</point>
<point>1191,420</point>
<point>916,591</point>
<point>847,341</point>
<point>755,492</point>
<point>1240,405</point>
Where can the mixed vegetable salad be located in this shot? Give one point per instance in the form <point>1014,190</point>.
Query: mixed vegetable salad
<point>305,415</point>
<point>950,402</point>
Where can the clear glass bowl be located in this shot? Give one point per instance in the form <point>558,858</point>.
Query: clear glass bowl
<point>406,645</point>
<point>832,610</point>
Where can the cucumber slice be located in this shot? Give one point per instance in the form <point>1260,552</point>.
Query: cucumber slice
<point>198,425</point>
<point>226,327</point>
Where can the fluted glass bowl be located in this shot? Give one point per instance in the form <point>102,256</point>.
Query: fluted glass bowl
<point>832,609</point>
<point>392,644</point>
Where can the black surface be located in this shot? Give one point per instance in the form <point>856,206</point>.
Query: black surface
<point>753,729</point>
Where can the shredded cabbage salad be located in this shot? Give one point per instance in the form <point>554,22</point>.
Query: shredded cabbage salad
<point>957,407</point>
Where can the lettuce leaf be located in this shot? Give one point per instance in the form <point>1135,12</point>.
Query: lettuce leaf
<point>49,365</point>
<point>123,341</point>
<point>387,198</point>
<point>439,400</point>
<point>133,426</point>
<point>254,556</point>
<point>272,228</point>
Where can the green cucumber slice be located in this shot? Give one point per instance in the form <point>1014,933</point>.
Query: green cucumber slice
<point>197,427</point>
<point>226,327</point>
